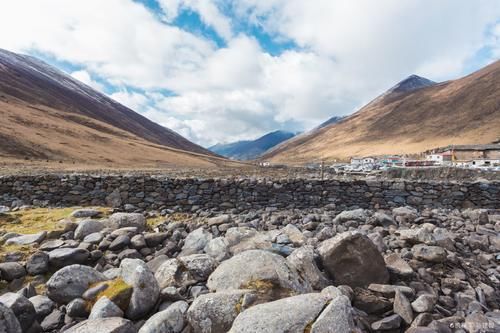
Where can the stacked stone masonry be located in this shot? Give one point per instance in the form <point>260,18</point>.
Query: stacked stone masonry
<point>153,192</point>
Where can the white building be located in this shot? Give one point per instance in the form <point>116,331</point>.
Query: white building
<point>363,160</point>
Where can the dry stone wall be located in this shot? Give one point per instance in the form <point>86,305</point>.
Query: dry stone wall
<point>154,192</point>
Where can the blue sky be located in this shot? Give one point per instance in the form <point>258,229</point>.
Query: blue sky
<point>225,70</point>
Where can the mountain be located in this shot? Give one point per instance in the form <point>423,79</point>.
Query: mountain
<point>413,116</point>
<point>45,114</point>
<point>251,149</point>
<point>332,120</point>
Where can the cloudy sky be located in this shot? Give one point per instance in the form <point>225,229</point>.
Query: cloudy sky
<point>223,70</point>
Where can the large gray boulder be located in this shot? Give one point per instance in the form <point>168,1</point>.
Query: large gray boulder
<point>87,227</point>
<point>136,273</point>
<point>291,314</point>
<point>63,257</point>
<point>43,306</point>
<point>85,212</point>
<point>351,258</point>
<point>335,318</point>
<point>170,320</point>
<point>21,307</point>
<point>11,270</point>
<point>195,242</point>
<point>27,239</point>
<point>303,261</point>
<point>104,308</point>
<point>71,282</point>
<point>215,312</point>
<point>37,263</point>
<point>104,325</point>
<point>258,270</point>
<point>122,220</point>
<point>359,215</point>
<point>8,321</point>
<point>200,266</point>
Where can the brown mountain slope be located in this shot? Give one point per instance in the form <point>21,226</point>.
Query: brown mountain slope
<point>46,116</point>
<point>38,134</point>
<point>463,111</point>
<point>37,83</point>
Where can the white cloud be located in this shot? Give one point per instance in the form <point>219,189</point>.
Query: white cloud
<point>207,9</point>
<point>348,52</point>
<point>133,100</point>
<point>85,77</point>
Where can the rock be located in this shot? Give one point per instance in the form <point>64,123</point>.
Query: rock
<point>104,308</point>
<point>119,243</point>
<point>42,305</point>
<point>8,321</point>
<point>21,307</point>
<point>50,245</point>
<point>136,273</point>
<point>67,256</point>
<point>103,325</point>
<point>138,242</point>
<point>217,248</point>
<point>388,290</point>
<point>352,258</point>
<point>53,321</point>
<point>302,259</point>
<point>77,308</point>
<point>258,270</point>
<point>424,303</point>
<point>121,220</point>
<point>156,262</point>
<point>170,320</point>
<point>429,253</point>
<point>215,312</point>
<point>37,263</point>
<point>351,215</point>
<point>294,234</point>
<point>335,318</point>
<point>402,307</point>
<point>291,314</point>
<point>94,238</point>
<point>382,219</point>
<point>195,242</point>
<point>387,323</point>
<point>370,302</point>
<point>87,227</point>
<point>396,265</point>
<point>114,199</point>
<point>11,270</point>
<point>27,239</point>
<point>85,212</point>
<point>218,220</point>
<point>154,239</point>
<point>71,282</point>
<point>404,214</point>
<point>200,266</point>
<point>171,274</point>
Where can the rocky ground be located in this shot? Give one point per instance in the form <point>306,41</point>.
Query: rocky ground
<point>317,270</point>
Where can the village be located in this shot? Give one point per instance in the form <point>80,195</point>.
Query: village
<point>484,157</point>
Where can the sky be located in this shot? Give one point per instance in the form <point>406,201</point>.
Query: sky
<point>225,70</point>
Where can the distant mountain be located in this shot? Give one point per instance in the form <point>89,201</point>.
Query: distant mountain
<point>415,115</point>
<point>250,149</point>
<point>412,82</point>
<point>332,120</point>
<point>47,115</point>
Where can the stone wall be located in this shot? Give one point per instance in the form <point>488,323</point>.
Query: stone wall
<point>153,192</point>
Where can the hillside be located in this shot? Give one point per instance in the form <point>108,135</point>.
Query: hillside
<point>45,115</point>
<point>413,116</point>
<point>251,149</point>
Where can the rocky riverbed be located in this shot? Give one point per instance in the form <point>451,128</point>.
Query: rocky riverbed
<point>269,270</point>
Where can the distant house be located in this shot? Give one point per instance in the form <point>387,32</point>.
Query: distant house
<point>363,160</point>
<point>391,160</point>
<point>485,162</point>
<point>471,152</point>
<point>440,158</point>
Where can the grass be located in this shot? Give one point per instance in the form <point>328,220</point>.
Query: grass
<point>118,291</point>
<point>31,221</point>
<point>153,222</point>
